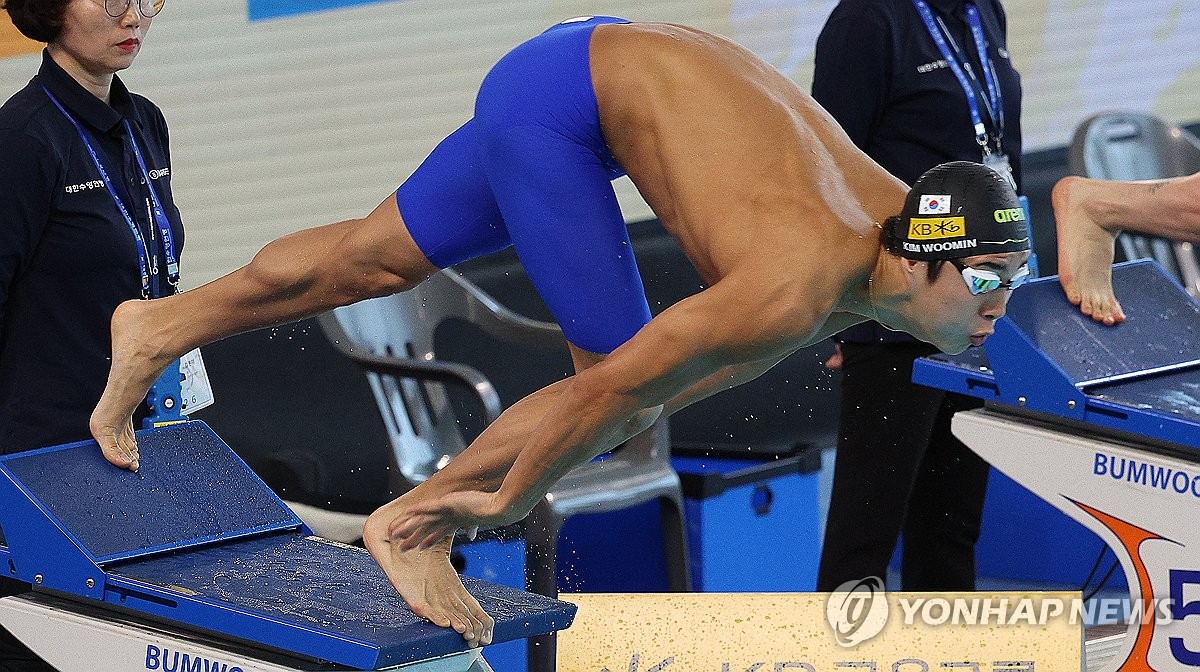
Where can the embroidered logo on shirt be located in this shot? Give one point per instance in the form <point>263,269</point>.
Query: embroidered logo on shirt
<point>76,188</point>
<point>160,172</point>
<point>932,65</point>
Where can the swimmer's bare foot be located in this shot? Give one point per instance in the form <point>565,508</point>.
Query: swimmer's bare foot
<point>426,579</point>
<point>137,361</point>
<point>1085,254</point>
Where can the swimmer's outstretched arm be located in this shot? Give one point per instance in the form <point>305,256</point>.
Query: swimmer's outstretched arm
<point>296,276</point>
<point>725,378</point>
<point>731,376</point>
<point>1090,214</point>
<point>730,323</point>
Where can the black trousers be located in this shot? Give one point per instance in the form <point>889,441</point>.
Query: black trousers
<point>15,656</point>
<point>899,468</point>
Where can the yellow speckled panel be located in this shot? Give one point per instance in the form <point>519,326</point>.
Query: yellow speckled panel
<point>13,42</point>
<point>699,632</point>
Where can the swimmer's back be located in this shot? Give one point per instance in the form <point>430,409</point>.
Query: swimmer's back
<point>717,140</point>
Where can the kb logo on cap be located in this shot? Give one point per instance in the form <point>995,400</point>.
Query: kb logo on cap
<point>936,228</point>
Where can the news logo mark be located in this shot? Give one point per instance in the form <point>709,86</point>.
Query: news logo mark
<point>857,610</point>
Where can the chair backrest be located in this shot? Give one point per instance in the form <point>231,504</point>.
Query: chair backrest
<point>423,428</point>
<point>1127,145</point>
<point>418,416</point>
<point>1132,146</point>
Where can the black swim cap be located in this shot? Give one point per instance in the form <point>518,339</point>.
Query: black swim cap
<point>958,209</point>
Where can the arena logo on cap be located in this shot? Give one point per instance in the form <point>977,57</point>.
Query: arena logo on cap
<point>1006,215</point>
<point>936,228</point>
<point>934,204</point>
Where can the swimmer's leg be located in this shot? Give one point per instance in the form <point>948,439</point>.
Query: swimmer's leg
<point>296,276</point>
<point>566,226</point>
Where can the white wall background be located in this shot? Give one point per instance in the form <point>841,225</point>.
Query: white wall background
<point>289,123</point>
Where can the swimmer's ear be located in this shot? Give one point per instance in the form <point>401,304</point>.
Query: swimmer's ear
<point>915,272</point>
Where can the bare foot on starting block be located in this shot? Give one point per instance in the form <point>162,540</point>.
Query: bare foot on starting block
<point>1085,253</point>
<point>136,363</point>
<point>426,579</point>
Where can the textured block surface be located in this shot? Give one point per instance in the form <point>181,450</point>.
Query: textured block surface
<point>1162,331</point>
<point>335,589</point>
<point>1175,393</point>
<point>190,489</point>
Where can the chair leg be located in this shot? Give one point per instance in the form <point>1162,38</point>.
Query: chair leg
<point>674,525</point>
<point>541,577</point>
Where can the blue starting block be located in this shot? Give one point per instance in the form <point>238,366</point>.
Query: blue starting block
<point>1141,377</point>
<point>195,554</point>
<point>1103,423</point>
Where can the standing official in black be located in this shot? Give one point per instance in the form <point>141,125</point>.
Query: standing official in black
<point>900,76</point>
<point>87,220</point>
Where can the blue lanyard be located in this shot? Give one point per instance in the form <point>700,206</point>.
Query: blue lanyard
<point>147,263</point>
<point>994,102</point>
<point>996,108</point>
<point>160,215</point>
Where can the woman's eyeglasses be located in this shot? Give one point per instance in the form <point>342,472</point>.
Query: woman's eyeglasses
<point>147,8</point>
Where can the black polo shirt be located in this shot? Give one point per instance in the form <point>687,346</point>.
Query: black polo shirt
<point>67,256</point>
<point>882,77</point>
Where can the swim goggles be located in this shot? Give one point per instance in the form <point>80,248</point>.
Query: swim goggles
<point>980,281</point>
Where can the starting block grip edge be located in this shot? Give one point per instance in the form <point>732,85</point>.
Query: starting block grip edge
<point>191,489</point>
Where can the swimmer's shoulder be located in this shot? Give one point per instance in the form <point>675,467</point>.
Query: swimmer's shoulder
<point>657,36</point>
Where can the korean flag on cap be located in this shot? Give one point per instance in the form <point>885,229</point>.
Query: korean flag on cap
<point>934,204</point>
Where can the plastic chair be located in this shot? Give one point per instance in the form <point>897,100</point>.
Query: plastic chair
<point>1140,146</point>
<point>392,338</point>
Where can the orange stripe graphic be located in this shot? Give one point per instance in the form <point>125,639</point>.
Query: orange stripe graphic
<point>1131,537</point>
